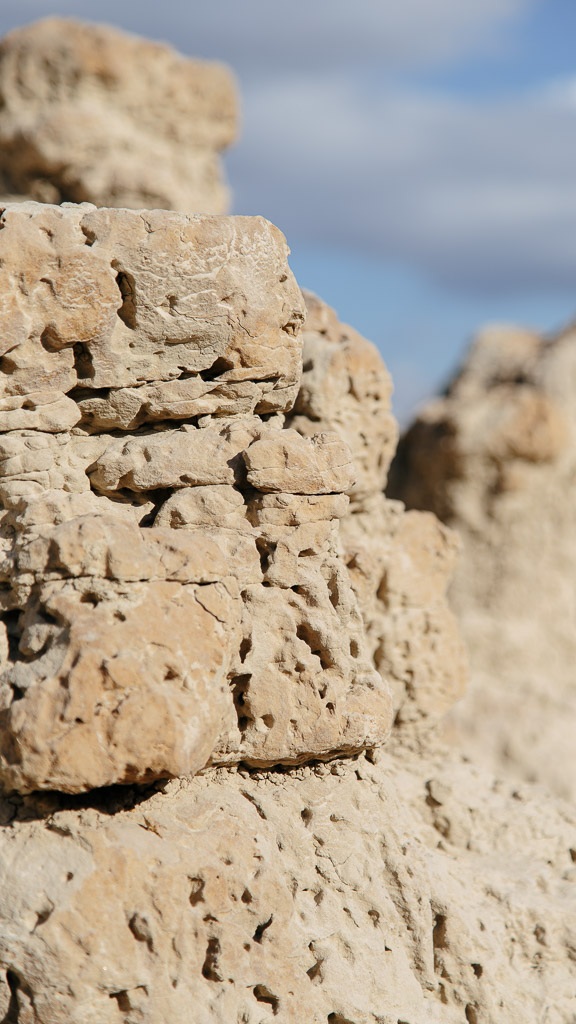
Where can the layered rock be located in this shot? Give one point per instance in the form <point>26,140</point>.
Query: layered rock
<point>173,582</point>
<point>203,582</point>
<point>400,564</point>
<point>92,114</point>
<point>496,459</point>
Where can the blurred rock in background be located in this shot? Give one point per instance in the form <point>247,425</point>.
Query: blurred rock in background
<point>91,114</point>
<point>495,458</point>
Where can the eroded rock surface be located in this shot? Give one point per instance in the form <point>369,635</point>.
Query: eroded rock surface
<point>400,564</point>
<point>92,114</point>
<point>496,459</point>
<point>351,892</point>
<point>173,585</point>
<point>202,579</point>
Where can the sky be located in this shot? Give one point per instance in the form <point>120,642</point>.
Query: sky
<point>419,156</point>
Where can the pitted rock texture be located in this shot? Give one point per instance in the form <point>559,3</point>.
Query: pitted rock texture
<point>400,564</point>
<point>496,459</point>
<point>172,581</point>
<point>197,578</point>
<point>92,114</point>
<point>413,890</point>
<point>107,301</point>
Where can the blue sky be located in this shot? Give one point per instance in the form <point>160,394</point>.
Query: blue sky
<point>420,157</point>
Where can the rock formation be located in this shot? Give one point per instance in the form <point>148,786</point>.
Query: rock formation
<point>412,891</point>
<point>203,583</point>
<point>400,563</point>
<point>148,488</point>
<point>496,459</point>
<point>92,114</point>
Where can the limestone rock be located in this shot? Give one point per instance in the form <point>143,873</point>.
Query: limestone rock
<point>346,384</point>
<point>127,683</point>
<point>200,583</point>
<point>147,363</point>
<point>350,892</point>
<point>187,457</point>
<point>205,506</point>
<point>288,462</point>
<point>116,299</point>
<point>49,411</point>
<point>496,459</point>
<point>400,565</point>
<point>92,114</point>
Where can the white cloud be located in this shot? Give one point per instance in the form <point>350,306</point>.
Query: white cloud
<point>259,36</point>
<point>477,194</point>
<point>480,194</point>
<point>560,93</point>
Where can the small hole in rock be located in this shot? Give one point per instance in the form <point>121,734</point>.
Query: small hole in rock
<point>333,591</point>
<point>50,339</point>
<point>83,364</point>
<point>314,972</point>
<point>262,928</point>
<point>439,932</point>
<point>127,288</point>
<point>210,968</point>
<point>13,1012</point>
<point>264,995</point>
<point>218,367</point>
<point>123,1000</point>
<point>196,891</point>
<point>245,648</point>
<point>140,929</point>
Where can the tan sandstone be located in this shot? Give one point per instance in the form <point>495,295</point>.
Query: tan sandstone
<point>91,114</point>
<point>203,582</point>
<point>135,502</point>
<point>400,565</point>
<point>413,890</point>
<point>496,460</point>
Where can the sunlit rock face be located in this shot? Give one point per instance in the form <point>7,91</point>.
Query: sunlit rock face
<point>495,458</point>
<point>91,114</point>
<point>400,563</point>
<point>207,598</point>
<point>174,588</point>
